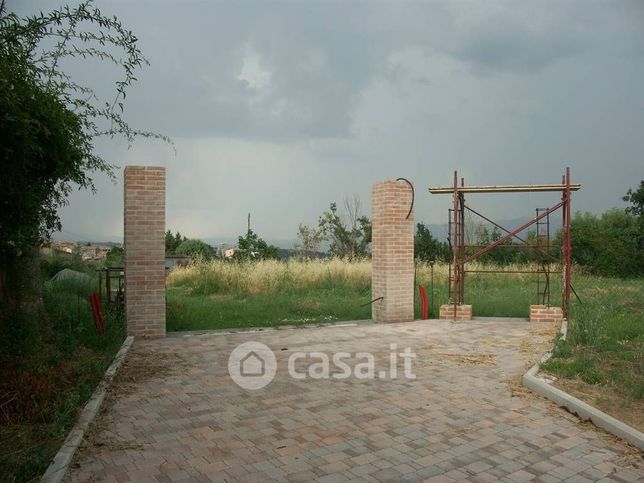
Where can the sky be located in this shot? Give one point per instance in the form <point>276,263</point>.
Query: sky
<point>279,108</point>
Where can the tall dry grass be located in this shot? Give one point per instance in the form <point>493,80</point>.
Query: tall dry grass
<point>226,277</point>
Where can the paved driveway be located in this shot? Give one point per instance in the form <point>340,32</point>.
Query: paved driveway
<point>176,415</point>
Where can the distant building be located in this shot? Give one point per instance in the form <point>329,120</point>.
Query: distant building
<point>172,261</point>
<point>94,252</point>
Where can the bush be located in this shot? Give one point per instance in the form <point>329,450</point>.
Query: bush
<point>196,249</point>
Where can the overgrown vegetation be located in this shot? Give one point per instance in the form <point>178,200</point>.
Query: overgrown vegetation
<point>44,383</point>
<point>50,355</point>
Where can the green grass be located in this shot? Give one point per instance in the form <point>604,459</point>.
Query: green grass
<point>189,312</point>
<point>605,343</point>
<point>220,294</point>
<point>47,374</point>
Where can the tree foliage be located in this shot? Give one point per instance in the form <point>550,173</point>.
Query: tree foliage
<point>49,121</point>
<point>427,248</point>
<point>349,236</point>
<point>308,242</point>
<point>195,249</point>
<point>636,199</point>
<point>172,242</point>
<point>608,244</point>
<point>252,247</point>
<point>114,257</point>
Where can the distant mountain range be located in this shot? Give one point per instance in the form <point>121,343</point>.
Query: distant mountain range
<point>438,231</point>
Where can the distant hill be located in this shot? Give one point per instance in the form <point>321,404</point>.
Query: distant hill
<point>438,230</point>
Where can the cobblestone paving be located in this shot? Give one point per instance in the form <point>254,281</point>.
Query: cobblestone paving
<point>463,418</point>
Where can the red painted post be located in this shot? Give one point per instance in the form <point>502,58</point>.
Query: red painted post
<point>424,309</point>
<point>568,248</point>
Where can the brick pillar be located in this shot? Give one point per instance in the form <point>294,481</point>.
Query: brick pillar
<point>541,313</point>
<point>145,250</point>
<point>392,252</point>
<point>463,312</point>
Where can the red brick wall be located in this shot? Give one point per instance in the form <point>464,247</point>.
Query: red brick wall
<point>392,252</point>
<point>144,208</point>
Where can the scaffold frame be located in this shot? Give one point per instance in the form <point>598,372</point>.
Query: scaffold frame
<point>457,240</point>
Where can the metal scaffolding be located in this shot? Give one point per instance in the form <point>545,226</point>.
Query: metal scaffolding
<point>541,247</point>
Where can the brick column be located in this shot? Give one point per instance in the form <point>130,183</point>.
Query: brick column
<point>392,252</point>
<point>145,250</point>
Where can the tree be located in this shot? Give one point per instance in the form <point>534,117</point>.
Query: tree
<point>114,257</point>
<point>608,244</point>
<point>172,242</point>
<point>49,124</point>
<point>308,242</point>
<point>349,236</point>
<point>427,248</point>
<point>252,247</point>
<point>195,249</point>
<point>636,199</point>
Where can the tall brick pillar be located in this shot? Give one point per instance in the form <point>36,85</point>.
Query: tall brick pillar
<point>392,252</point>
<point>144,208</point>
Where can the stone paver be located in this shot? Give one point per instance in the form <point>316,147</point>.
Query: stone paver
<point>459,419</point>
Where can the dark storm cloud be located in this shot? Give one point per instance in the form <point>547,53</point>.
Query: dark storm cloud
<point>281,107</point>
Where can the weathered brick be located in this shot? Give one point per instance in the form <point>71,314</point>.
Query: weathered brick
<point>541,313</point>
<point>392,252</point>
<point>144,218</point>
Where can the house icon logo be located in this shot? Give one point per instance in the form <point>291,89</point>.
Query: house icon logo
<point>252,365</point>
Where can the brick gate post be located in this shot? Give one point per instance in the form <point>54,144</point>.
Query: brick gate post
<point>392,252</point>
<point>144,220</point>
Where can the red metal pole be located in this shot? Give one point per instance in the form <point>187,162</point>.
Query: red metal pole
<point>568,247</point>
<point>456,281</point>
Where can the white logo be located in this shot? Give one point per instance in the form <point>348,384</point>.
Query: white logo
<point>252,365</point>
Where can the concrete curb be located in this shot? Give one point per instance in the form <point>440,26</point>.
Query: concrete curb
<point>58,467</point>
<point>578,407</point>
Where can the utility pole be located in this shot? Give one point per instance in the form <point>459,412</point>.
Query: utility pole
<point>248,232</point>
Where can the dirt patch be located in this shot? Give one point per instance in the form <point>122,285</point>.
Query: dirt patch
<point>484,358</point>
<point>517,389</point>
<point>140,366</point>
<point>605,399</point>
<point>493,341</point>
<point>548,330</point>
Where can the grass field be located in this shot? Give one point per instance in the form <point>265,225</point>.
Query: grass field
<point>220,294</point>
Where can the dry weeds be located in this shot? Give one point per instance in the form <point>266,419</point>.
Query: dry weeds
<point>484,358</point>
